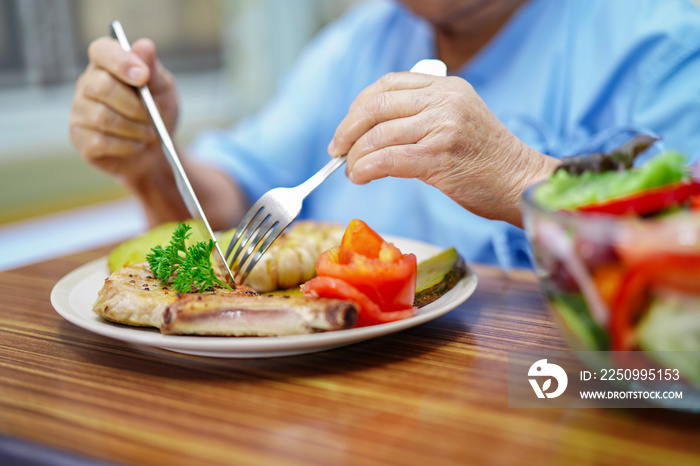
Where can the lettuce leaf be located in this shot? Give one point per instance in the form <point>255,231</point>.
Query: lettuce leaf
<point>566,191</point>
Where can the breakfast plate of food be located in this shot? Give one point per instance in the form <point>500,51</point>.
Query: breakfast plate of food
<point>119,296</point>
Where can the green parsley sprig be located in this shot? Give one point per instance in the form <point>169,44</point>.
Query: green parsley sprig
<point>188,269</point>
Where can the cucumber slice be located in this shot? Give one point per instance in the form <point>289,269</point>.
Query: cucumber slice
<point>294,291</point>
<point>437,275</point>
<point>134,250</point>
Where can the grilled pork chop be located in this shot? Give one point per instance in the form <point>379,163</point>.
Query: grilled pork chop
<point>246,315</point>
<point>132,296</point>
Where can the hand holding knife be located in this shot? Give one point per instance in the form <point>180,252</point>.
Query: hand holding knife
<point>181,179</point>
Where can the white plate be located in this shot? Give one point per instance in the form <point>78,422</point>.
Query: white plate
<point>74,295</point>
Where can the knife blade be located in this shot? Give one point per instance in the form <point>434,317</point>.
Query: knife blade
<point>183,183</point>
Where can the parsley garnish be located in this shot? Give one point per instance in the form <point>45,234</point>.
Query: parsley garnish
<point>188,269</point>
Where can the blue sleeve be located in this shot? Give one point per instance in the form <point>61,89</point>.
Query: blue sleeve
<point>668,100</point>
<point>280,145</point>
<point>652,79</point>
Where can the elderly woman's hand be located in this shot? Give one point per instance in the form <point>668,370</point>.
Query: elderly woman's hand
<point>437,129</point>
<point>108,123</point>
<point>112,130</point>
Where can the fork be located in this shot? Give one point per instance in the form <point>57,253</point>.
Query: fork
<point>276,209</point>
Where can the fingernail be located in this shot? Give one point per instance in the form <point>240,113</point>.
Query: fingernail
<point>136,73</point>
<point>331,147</point>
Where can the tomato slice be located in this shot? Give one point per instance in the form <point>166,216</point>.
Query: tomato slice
<point>608,279</point>
<point>375,269</point>
<point>370,313</point>
<point>360,239</point>
<point>676,271</point>
<point>390,284</point>
<point>647,202</point>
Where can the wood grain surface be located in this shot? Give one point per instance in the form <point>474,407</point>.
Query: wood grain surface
<point>435,394</point>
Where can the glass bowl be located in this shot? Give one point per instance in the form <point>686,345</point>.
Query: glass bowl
<point>616,283</point>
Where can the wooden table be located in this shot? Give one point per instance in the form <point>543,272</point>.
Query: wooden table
<point>434,394</point>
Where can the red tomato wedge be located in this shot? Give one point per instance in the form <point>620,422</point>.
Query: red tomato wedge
<point>366,269</point>
<point>360,239</point>
<point>675,271</point>
<point>649,201</point>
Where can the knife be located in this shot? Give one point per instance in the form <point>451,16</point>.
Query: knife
<point>181,179</point>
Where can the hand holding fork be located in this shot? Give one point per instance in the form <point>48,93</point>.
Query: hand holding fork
<point>276,209</point>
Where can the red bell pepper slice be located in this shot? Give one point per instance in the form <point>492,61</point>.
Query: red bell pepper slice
<point>647,202</point>
<point>373,269</point>
<point>677,271</point>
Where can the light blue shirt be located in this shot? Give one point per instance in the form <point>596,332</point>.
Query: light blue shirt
<point>566,77</point>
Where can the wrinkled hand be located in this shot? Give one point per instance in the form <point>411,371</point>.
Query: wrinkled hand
<point>438,130</point>
<point>109,124</point>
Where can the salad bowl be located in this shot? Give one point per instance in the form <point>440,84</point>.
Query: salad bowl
<point>622,273</point>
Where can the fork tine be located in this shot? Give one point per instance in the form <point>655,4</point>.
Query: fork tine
<point>246,233</point>
<point>256,239</point>
<point>274,233</point>
<point>252,212</point>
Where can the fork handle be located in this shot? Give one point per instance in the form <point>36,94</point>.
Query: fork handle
<point>319,177</point>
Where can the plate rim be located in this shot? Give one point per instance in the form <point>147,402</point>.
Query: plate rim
<point>250,347</point>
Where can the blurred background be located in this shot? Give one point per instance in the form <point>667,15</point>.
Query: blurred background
<point>227,56</point>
